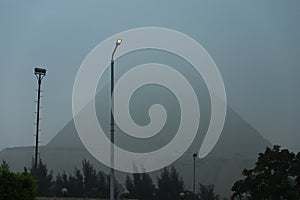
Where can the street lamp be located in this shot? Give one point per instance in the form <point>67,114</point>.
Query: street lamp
<point>194,176</point>
<point>64,192</point>
<point>182,195</point>
<point>125,194</point>
<point>112,123</point>
<point>119,41</point>
<point>40,73</point>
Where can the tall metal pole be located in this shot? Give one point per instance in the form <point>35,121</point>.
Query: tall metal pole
<point>39,73</point>
<point>194,176</point>
<point>112,133</point>
<point>112,124</point>
<point>37,121</point>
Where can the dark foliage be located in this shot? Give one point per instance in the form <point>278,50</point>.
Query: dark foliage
<point>86,182</point>
<point>206,192</point>
<point>17,186</point>
<point>43,178</point>
<point>170,185</point>
<point>275,177</point>
<point>141,187</point>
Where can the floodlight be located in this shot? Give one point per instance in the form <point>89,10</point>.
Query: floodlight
<point>39,71</point>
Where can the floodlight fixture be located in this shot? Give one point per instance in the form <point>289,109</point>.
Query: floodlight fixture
<point>39,71</point>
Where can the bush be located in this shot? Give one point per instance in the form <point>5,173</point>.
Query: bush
<point>17,186</point>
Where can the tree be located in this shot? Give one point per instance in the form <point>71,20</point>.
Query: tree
<point>206,192</point>
<point>75,183</point>
<point>296,171</point>
<point>84,182</point>
<point>147,187</point>
<point>17,186</point>
<point>58,185</point>
<point>43,178</point>
<point>89,179</point>
<point>170,185</point>
<point>5,165</point>
<point>141,187</point>
<point>103,183</point>
<point>273,177</point>
<point>131,187</point>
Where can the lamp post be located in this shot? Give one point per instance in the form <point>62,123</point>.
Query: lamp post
<point>194,176</point>
<point>40,73</point>
<point>64,192</point>
<point>112,123</point>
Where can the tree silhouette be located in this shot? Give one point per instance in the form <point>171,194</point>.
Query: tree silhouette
<point>43,178</point>
<point>103,183</point>
<point>206,192</point>
<point>84,182</point>
<point>130,186</point>
<point>170,185</point>
<point>58,185</point>
<point>75,183</point>
<point>17,186</point>
<point>5,164</point>
<point>141,187</point>
<point>296,171</point>
<point>274,177</point>
<point>89,179</point>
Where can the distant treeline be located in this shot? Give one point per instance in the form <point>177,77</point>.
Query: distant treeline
<point>90,183</point>
<point>276,176</point>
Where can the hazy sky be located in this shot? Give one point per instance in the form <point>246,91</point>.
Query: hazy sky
<point>256,45</point>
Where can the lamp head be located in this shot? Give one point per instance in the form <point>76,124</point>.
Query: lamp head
<point>119,41</point>
<point>125,193</point>
<point>40,71</point>
<point>181,195</point>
